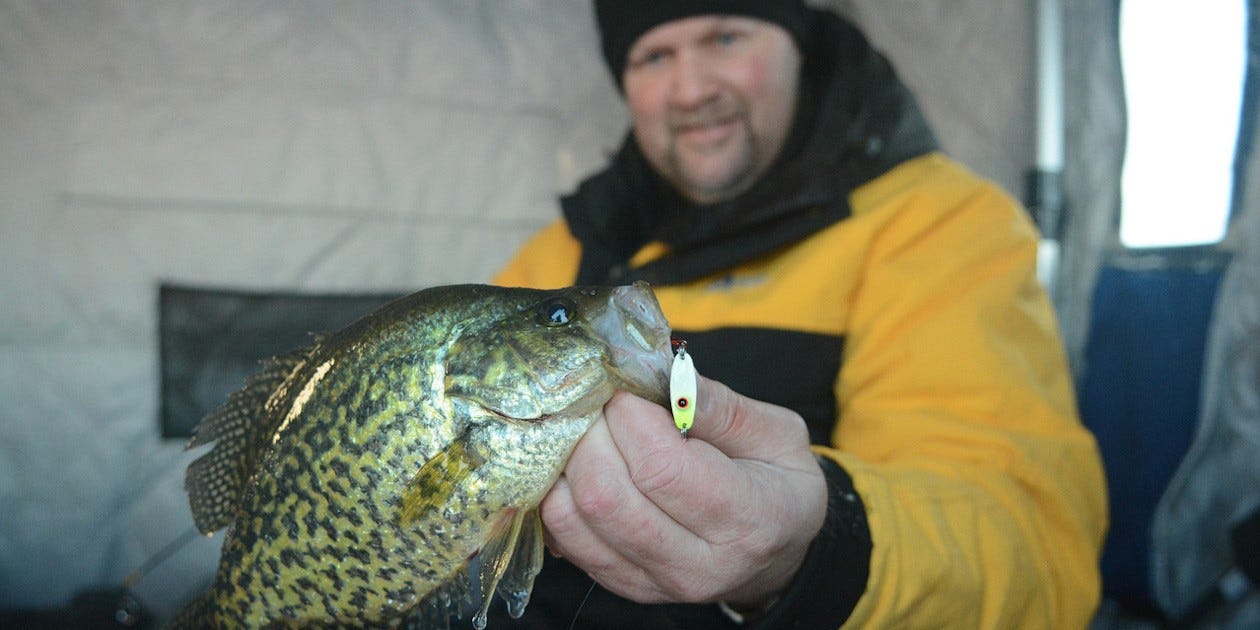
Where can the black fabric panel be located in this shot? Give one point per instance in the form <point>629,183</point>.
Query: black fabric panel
<point>792,369</point>
<point>211,340</point>
<point>723,253</point>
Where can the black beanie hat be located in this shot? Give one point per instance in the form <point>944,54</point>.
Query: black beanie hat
<point>621,22</point>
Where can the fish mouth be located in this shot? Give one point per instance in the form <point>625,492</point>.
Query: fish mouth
<point>638,337</point>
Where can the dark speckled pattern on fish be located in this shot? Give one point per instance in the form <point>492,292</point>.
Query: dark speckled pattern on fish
<point>360,475</point>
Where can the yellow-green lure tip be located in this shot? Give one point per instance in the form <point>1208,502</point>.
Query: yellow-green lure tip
<point>682,389</point>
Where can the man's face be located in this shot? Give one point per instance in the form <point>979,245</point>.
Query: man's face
<point>712,100</point>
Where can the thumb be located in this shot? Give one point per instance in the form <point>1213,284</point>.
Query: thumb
<point>745,428</point>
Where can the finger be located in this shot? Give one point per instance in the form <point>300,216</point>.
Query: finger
<point>569,536</point>
<point>697,485</point>
<point>606,518</point>
<point>755,516</point>
<point>577,543</point>
<point>744,428</point>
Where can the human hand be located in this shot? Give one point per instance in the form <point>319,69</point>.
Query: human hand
<point>726,515</point>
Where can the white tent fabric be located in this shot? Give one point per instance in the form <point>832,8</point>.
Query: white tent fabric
<point>971,64</point>
<point>291,145</point>
<point>1218,483</point>
<point>1094,140</point>
<point>331,146</point>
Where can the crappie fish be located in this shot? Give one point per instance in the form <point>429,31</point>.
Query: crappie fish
<point>359,476</point>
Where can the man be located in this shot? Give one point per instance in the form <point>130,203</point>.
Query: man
<point>783,195</point>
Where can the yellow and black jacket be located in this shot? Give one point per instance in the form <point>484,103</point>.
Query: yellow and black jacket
<point>888,295</point>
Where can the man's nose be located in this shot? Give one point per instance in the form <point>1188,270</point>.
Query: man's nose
<point>693,81</point>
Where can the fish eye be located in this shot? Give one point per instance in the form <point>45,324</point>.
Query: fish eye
<point>557,312</point>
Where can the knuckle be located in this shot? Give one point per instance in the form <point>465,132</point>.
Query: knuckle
<point>598,500</point>
<point>747,542</point>
<point>687,588</point>
<point>797,431</point>
<point>737,418</point>
<point>757,548</point>
<point>657,473</point>
<point>603,570</point>
<point>559,518</point>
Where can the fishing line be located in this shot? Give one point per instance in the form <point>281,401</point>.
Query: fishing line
<point>573,624</point>
<point>161,556</point>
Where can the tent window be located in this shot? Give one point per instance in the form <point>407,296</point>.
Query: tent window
<point>1183,74</point>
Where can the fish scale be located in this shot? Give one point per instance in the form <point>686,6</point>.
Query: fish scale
<point>359,476</point>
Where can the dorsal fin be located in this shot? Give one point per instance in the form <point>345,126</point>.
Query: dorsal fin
<point>241,428</point>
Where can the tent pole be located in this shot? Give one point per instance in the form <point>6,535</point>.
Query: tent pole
<point>1045,178</point>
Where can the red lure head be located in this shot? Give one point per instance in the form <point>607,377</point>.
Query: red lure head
<point>677,345</point>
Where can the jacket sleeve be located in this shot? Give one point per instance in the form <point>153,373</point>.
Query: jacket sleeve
<point>984,495</point>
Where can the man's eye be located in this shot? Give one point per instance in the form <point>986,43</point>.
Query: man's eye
<point>650,58</point>
<point>725,38</point>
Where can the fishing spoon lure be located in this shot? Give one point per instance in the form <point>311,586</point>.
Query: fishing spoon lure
<point>682,387</point>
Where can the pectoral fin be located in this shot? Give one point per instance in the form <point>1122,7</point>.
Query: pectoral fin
<point>436,482</point>
<point>493,562</point>
<point>527,559</point>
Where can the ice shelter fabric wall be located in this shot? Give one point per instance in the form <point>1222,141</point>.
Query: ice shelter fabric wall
<point>1094,146</point>
<point>297,146</point>
<point>294,145</point>
<point>1218,482</point>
